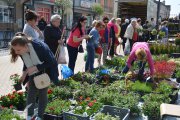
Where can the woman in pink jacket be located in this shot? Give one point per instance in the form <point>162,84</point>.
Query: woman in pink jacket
<point>140,51</point>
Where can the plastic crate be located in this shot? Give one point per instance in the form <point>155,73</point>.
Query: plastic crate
<point>71,116</point>
<point>123,113</point>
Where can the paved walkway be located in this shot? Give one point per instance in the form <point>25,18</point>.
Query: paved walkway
<point>7,68</point>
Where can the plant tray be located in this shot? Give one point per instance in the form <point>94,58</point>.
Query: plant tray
<point>52,117</point>
<point>123,113</point>
<point>71,116</point>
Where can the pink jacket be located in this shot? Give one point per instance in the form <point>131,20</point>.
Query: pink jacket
<point>132,55</point>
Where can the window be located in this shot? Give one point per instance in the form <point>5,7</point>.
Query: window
<point>6,15</point>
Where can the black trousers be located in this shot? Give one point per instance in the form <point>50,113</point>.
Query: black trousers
<point>72,52</point>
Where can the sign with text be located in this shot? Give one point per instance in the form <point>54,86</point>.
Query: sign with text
<point>86,4</point>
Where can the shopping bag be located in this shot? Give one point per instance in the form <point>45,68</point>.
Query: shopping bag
<point>62,55</point>
<point>66,71</point>
<point>127,47</point>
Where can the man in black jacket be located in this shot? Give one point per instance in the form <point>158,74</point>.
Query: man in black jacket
<point>123,30</point>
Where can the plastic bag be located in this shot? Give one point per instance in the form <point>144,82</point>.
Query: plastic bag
<point>127,47</point>
<point>66,71</point>
<point>62,56</point>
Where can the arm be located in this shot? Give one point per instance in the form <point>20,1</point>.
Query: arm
<point>150,62</point>
<point>131,58</point>
<point>29,31</point>
<point>76,33</point>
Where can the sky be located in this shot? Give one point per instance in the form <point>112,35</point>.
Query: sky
<point>175,6</point>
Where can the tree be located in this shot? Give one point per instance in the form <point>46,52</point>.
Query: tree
<point>97,9</point>
<point>64,5</point>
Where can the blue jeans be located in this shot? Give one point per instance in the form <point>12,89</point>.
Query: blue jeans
<point>90,58</point>
<point>141,68</point>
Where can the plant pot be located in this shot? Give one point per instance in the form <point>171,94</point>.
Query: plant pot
<point>178,80</point>
<point>21,107</point>
<point>173,98</point>
<point>18,87</point>
<point>47,116</point>
<point>153,118</point>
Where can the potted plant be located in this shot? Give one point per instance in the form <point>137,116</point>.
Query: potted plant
<point>178,76</point>
<point>55,109</point>
<point>177,42</point>
<point>7,114</point>
<point>15,78</point>
<point>83,109</point>
<point>103,116</point>
<point>16,100</point>
<point>151,106</point>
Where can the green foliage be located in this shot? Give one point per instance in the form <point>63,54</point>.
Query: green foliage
<point>71,83</point>
<point>64,3</point>
<point>97,8</point>
<point>164,88</point>
<point>154,32</point>
<point>57,107</point>
<point>177,41</point>
<point>141,87</point>
<point>62,92</point>
<point>178,74</point>
<point>161,34</point>
<point>102,116</point>
<point>116,62</point>
<point>7,114</point>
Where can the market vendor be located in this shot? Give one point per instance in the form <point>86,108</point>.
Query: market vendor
<point>141,53</point>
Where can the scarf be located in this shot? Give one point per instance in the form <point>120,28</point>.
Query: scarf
<point>31,59</point>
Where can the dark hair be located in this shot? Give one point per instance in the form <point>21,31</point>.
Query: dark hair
<point>31,15</point>
<point>147,22</point>
<point>19,39</point>
<point>105,18</point>
<point>139,20</point>
<point>78,25</point>
<point>152,19</point>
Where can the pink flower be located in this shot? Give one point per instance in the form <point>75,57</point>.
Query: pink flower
<point>90,104</point>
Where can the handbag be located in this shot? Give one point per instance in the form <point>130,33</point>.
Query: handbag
<point>81,49</point>
<point>61,58</point>
<point>42,81</point>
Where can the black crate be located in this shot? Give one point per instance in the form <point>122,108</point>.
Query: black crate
<point>71,116</point>
<point>123,113</point>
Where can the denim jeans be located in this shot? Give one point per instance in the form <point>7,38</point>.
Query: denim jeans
<point>141,69</point>
<point>90,58</point>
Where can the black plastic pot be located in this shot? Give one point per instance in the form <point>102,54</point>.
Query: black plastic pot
<point>18,87</point>
<point>52,117</point>
<point>178,80</point>
<point>173,98</point>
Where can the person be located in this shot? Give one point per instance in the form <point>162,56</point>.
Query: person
<point>146,32</point>
<point>118,22</point>
<point>164,28</point>
<point>151,27</point>
<point>139,30</point>
<point>92,44</point>
<point>105,38</point>
<point>52,33</point>
<point>76,37</point>
<point>37,59</point>
<point>42,24</point>
<point>123,30</point>
<point>114,31</point>
<point>130,32</point>
<point>140,52</point>
<point>92,26</point>
<point>30,27</point>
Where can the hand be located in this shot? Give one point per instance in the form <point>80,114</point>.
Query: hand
<point>86,37</point>
<point>61,42</point>
<point>22,78</point>
<point>31,70</point>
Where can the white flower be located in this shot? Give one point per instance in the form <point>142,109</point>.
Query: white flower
<point>87,107</point>
<point>79,107</point>
<point>85,114</point>
<point>14,119</point>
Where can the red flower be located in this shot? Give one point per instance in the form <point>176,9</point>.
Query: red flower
<point>88,98</point>
<point>11,106</point>
<point>94,101</point>
<point>49,91</point>
<point>51,108</point>
<point>90,104</point>
<point>14,92</point>
<point>20,93</point>
<point>81,97</point>
<point>12,97</point>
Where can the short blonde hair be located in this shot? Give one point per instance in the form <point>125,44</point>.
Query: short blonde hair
<point>141,54</point>
<point>55,17</point>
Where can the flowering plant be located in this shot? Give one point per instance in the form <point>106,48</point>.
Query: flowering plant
<point>7,114</point>
<point>164,69</point>
<point>14,100</point>
<point>86,107</point>
<point>15,78</point>
<point>57,107</point>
